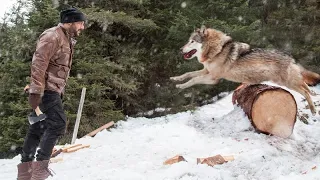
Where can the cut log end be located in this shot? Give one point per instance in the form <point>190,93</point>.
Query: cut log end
<point>272,110</point>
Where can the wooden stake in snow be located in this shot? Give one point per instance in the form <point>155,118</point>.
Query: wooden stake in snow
<point>272,110</point>
<point>76,127</point>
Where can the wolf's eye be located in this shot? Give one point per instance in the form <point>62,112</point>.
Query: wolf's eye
<point>192,41</point>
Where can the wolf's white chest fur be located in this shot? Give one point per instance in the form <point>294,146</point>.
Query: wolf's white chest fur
<point>213,67</point>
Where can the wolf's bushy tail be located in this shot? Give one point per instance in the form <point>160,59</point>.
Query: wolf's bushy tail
<point>311,78</point>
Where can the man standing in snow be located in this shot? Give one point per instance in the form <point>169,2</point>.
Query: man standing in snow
<point>50,70</point>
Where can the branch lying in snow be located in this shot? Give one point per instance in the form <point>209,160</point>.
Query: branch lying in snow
<point>76,148</point>
<point>56,152</point>
<point>65,149</point>
<point>68,149</point>
<point>93,133</point>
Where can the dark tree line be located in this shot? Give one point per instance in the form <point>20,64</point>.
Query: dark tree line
<point>130,48</point>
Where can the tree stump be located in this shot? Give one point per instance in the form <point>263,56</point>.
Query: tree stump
<point>272,110</point>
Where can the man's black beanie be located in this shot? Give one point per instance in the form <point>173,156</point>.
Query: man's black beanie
<point>71,15</point>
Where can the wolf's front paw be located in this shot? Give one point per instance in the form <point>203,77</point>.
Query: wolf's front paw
<point>176,78</point>
<point>181,86</point>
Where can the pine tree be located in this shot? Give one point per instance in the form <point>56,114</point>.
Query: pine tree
<point>130,49</point>
<point>293,26</point>
<point>15,52</point>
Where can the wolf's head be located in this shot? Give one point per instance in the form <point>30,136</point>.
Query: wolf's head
<point>201,41</point>
<point>194,46</point>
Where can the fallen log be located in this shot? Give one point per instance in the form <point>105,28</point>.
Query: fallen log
<point>272,110</point>
<point>93,133</point>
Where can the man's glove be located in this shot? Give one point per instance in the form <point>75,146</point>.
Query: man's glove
<point>34,100</point>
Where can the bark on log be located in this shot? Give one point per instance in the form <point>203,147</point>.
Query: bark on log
<point>272,110</point>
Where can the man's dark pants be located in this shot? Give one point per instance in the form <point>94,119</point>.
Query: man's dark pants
<point>45,133</point>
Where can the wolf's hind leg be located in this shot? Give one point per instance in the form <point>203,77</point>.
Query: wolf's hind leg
<point>189,75</point>
<point>306,87</point>
<point>304,92</point>
<point>206,79</point>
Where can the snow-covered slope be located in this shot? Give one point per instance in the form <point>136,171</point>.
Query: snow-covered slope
<point>137,148</point>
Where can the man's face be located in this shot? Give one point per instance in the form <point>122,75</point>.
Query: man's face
<point>76,28</point>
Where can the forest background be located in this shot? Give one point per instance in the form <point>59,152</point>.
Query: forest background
<point>129,50</point>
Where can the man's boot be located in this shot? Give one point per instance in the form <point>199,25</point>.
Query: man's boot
<point>24,171</point>
<point>40,170</point>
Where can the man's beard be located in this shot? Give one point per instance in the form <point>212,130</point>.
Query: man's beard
<point>74,32</point>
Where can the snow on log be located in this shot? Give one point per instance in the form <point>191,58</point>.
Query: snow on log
<point>272,110</point>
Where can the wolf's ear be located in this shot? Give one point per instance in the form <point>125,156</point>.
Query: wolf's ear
<point>203,31</point>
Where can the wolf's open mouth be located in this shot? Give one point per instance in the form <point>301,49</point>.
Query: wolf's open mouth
<point>189,54</point>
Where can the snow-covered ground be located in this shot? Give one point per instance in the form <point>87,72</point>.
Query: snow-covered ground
<point>136,149</point>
